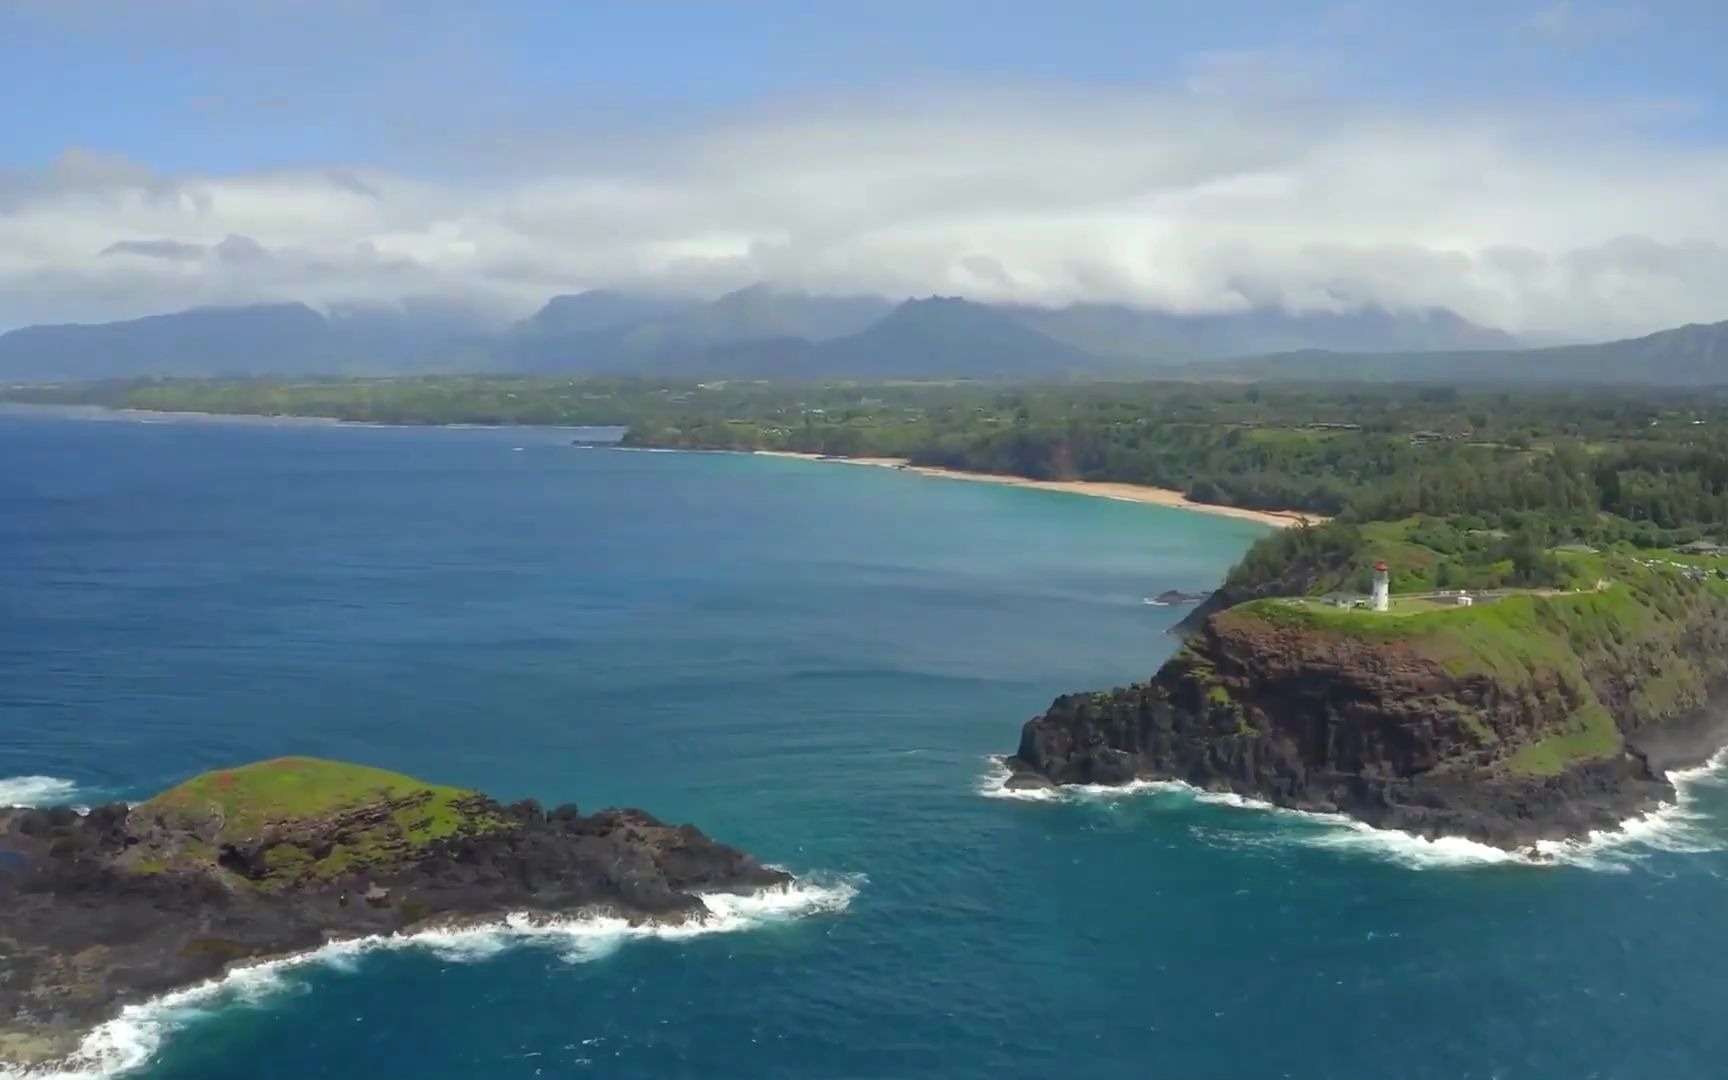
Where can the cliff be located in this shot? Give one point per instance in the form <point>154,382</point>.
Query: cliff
<point>1541,715</point>
<point>118,905</point>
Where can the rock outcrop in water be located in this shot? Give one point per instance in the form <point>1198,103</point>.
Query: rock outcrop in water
<point>1540,716</point>
<point>103,909</point>
<point>1177,596</point>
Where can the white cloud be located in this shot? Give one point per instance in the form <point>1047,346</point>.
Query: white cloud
<point>157,249</point>
<point>1225,192</point>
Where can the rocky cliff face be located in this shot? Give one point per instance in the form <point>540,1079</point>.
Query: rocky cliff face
<point>1542,717</point>
<point>121,904</point>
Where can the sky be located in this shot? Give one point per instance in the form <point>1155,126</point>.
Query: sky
<point>1556,169</point>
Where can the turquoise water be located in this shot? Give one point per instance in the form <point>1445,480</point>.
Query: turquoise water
<point>811,661</point>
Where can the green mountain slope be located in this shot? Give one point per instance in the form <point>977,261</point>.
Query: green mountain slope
<point>1694,355</point>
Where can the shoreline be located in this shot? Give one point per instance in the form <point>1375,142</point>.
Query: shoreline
<point>1102,489</point>
<point>1658,826</point>
<point>128,1039</point>
<point>78,411</point>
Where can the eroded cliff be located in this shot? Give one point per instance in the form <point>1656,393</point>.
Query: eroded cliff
<point>1541,715</point>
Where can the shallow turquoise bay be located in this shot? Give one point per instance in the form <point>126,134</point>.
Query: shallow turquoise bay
<point>812,661</point>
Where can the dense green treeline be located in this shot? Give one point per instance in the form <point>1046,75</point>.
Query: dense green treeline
<point>1471,520</point>
<point>1455,487</point>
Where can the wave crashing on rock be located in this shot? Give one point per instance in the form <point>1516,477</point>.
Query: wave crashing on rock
<point>1677,827</point>
<point>33,791</point>
<point>129,1041</point>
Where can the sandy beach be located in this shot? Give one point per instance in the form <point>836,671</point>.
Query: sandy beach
<point>1138,493</point>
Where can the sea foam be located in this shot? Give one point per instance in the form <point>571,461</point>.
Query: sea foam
<point>131,1039</point>
<point>994,785</point>
<point>1677,827</point>
<point>36,791</point>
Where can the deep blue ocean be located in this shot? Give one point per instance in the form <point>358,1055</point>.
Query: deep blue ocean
<point>812,661</point>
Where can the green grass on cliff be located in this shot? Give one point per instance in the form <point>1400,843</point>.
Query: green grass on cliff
<point>1553,648</point>
<point>1412,565</point>
<point>297,788</point>
<point>1591,734</point>
<point>1513,639</point>
<point>296,791</point>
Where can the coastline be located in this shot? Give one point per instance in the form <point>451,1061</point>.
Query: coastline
<point>158,416</point>
<point>132,1036</point>
<point>1103,489</point>
<point>1681,756</point>
<point>1664,825</point>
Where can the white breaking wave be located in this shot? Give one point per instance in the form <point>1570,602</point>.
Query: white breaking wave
<point>994,785</point>
<point>130,1040</point>
<point>35,791</point>
<point>1678,827</point>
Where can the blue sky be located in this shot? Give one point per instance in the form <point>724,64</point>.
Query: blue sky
<point>474,128</point>
<point>187,84</point>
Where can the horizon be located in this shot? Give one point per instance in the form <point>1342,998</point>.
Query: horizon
<point>1551,169</point>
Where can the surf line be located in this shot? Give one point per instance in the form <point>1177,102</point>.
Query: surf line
<point>1673,827</point>
<point>131,1039</point>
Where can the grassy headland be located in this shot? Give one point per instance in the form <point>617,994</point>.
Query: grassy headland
<point>1605,660</point>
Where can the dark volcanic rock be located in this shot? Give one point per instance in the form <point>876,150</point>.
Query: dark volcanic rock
<point>1431,734</point>
<point>1176,596</point>
<point>120,905</point>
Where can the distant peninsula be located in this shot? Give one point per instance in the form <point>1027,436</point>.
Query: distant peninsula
<point>119,905</point>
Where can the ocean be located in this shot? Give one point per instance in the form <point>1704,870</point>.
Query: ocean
<point>815,662</point>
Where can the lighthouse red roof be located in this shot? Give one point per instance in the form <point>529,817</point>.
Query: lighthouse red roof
<point>1381,566</point>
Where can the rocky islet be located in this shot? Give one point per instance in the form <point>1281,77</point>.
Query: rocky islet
<point>119,905</point>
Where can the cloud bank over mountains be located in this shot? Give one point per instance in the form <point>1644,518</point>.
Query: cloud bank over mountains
<point>1235,188</point>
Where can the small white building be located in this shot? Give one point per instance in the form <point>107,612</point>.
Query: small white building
<point>1460,600</point>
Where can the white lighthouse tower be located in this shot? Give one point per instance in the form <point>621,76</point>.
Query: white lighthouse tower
<point>1382,599</point>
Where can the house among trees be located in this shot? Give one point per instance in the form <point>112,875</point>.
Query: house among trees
<point>1702,547</point>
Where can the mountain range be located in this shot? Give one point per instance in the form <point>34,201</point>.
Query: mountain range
<point>767,332</point>
<point>759,331</point>
<point>1691,355</point>
<point>256,339</point>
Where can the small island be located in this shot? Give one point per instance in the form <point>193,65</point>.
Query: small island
<point>118,905</point>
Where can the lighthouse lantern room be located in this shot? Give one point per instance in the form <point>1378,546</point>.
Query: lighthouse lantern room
<point>1382,598</point>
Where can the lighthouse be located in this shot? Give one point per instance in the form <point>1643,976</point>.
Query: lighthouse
<point>1382,599</point>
